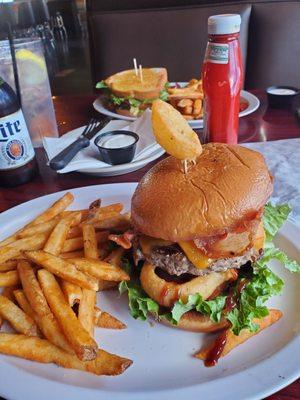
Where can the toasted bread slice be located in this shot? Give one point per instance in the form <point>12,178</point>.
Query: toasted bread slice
<point>127,83</point>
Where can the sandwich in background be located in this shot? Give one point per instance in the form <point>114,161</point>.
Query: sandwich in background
<point>129,93</point>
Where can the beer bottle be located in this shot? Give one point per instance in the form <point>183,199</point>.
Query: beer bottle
<point>17,158</point>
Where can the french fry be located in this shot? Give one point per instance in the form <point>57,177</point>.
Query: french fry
<point>114,258</point>
<point>46,216</point>
<point>120,223</point>
<point>103,319</point>
<point>45,319</point>
<point>9,292</point>
<point>9,278</point>
<point>185,103</point>
<point>46,227</point>
<point>233,340</point>
<point>20,321</point>
<point>90,242</point>
<point>197,107</point>
<point>187,110</point>
<point>100,269</point>
<point>14,249</point>
<point>77,242</point>
<point>84,346</point>
<point>74,232</point>
<point>63,269</point>
<point>86,310</point>
<point>104,212</point>
<point>73,293</point>
<point>56,208</point>
<point>1,321</point>
<point>8,266</point>
<point>58,236</point>
<point>40,350</point>
<point>72,254</point>
<point>24,304</point>
<point>84,213</point>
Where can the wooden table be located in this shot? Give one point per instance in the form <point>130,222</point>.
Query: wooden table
<point>74,111</point>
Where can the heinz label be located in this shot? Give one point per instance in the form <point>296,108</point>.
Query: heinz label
<point>15,144</point>
<point>217,53</point>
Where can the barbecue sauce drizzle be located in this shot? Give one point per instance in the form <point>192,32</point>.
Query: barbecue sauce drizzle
<point>220,342</point>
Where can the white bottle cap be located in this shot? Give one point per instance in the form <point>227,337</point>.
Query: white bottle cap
<point>223,24</point>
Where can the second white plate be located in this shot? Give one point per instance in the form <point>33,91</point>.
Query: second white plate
<point>253,104</point>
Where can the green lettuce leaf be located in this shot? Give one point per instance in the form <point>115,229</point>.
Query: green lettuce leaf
<point>274,217</point>
<point>262,287</point>
<point>140,305</point>
<point>212,308</point>
<point>101,85</point>
<point>272,253</point>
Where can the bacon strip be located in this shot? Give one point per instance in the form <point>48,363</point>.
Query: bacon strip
<point>124,240</point>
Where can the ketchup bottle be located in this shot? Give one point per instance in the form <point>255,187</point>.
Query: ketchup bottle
<point>222,79</point>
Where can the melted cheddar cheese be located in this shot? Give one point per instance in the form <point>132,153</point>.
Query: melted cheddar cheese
<point>195,255</point>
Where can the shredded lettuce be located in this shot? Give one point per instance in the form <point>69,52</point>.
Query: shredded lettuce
<point>251,301</point>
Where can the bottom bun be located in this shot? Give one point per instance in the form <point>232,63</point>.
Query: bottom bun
<point>127,113</point>
<point>193,321</point>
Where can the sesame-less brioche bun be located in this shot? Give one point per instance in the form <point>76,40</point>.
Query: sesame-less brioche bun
<point>128,84</point>
<point>227,185</point>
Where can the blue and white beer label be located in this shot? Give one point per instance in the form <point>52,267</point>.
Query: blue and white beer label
<point>15,144</point>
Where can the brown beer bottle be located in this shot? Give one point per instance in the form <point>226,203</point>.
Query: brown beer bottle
<point>17,158</point>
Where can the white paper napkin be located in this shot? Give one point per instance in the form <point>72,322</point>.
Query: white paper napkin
<point>283,159</point>
<point>89,157</point>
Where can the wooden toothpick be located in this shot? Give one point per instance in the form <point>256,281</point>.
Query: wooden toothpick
<point>141,73</point>
<point>135,66</point>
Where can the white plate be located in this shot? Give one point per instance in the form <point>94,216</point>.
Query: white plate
<point>163,365</point>
<point>253,104</point>
<point>113,170</point>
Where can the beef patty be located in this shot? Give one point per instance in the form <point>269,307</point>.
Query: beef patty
<point>173,260</point>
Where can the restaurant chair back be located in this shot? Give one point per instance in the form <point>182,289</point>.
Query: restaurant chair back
<point>176,37</point>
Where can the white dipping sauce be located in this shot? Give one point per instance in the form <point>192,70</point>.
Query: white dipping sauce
<point>281,91</point>
<point>116,141</point>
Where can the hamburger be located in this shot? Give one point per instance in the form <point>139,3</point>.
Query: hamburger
<point>197,230</point>
<point>198,234</point>
<point>129,94</point>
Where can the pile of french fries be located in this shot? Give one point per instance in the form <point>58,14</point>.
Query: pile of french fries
<point>51,270</point>
<point>188,100</point>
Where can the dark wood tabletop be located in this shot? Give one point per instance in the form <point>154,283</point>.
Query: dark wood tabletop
<point>73,111</point>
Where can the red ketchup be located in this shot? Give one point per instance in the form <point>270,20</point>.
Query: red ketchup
<point>222,79</point>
